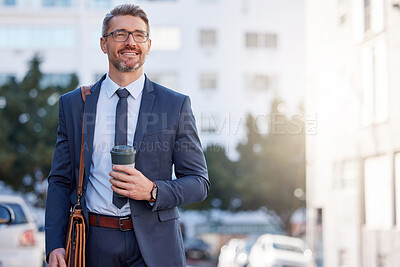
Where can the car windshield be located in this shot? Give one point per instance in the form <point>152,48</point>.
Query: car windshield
<point>287,247</point>
<point>18,212</point>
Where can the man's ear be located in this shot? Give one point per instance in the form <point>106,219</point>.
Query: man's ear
<point>148,46</point>
<point>103,45</point>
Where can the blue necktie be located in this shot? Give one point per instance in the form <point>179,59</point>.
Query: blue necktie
<point>121,132</point>
<point>121,118</point>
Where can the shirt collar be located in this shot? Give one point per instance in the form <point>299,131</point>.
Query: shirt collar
<point>134,88</point>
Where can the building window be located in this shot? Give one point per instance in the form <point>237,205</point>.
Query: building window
<point>346,174</point>
<point>261,82</point>
<point>374,84</point>
<point>270,40</point>
<point>55,79</point>
<point>367,15</point>
<point>100,4</point>
<point>342,19</point>
<point>26,37</point>
<point>169,80</point>
<point>208,38</point>
<point>397,187</point>
<point>208,81</point>
<point>57,3</point>
<point>156,0</point>
<point>378,193</point>
<point>261,40</point>
<point>374,21</point>
<point>166,38</point>
<point>319,236</point>
<point>251,39</point>
<point>343,257</point>
<point>8,2</point>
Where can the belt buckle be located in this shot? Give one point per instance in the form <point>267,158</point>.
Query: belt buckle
<point>120,223</point>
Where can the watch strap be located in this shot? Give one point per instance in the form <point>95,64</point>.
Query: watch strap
<point>152,191</point>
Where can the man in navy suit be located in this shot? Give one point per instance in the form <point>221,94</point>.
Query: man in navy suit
<point>144,230</point>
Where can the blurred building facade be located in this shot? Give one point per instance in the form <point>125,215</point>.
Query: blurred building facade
<point>230,57</point>
<point>353,160</point>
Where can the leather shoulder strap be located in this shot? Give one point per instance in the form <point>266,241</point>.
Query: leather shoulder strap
<point>85,90</point>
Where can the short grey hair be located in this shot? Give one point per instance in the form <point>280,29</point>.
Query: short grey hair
<point>123,10</point>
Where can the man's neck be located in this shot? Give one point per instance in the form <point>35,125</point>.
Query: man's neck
<point>124,78</point>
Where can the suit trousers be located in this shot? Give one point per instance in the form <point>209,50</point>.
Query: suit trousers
<point>106,247</point>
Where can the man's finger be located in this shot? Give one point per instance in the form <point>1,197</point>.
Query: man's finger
<point>61,261</point>
<point>120,184</point>
<point>119,191</point>
<point>124,168</point>
<point>119,176</point>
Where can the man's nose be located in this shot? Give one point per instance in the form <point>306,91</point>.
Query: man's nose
<point>130,40</point>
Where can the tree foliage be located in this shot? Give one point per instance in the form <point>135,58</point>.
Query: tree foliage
<point>28,122</point>
<point>223,189</point>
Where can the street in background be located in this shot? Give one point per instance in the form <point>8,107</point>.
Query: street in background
<point>277,250</point>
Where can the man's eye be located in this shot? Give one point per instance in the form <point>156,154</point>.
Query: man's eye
<point>120,34</point>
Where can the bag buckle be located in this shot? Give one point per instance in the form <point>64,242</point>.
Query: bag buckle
<point>120,223</point>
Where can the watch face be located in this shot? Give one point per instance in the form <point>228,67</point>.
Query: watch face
<point>154,193</point>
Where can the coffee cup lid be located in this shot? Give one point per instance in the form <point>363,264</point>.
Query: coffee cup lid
<point>123,149</point>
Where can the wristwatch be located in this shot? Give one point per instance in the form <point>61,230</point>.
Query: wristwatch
<point>153,193</point>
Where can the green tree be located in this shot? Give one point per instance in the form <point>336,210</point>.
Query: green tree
<point>221,171</point>
<point>28,122</point>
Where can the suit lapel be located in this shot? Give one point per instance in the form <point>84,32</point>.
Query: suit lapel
<point>90,121</point>
<point>146,107</point>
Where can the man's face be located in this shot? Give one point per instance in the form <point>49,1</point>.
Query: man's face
<point>126,56</point>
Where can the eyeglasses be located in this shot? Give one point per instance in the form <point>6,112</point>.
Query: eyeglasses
<point>122,36</point>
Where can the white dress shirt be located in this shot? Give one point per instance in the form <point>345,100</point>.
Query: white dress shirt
<point>99,193</point>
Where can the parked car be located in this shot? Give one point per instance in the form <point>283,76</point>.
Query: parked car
<point>235,253</point>
<point>280,251</point>
<point>19,243</point>
<point>196,249</point>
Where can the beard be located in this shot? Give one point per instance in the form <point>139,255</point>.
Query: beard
<point>122,67</point>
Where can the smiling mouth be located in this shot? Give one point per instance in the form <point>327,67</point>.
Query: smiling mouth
<point>130,53</point>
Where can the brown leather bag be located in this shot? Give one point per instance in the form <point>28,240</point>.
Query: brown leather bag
<point>76,231</point>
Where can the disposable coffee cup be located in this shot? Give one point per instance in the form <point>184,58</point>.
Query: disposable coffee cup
<point>123,155</point>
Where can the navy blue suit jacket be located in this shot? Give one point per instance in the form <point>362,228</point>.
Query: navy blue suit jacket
<point>165,136</point>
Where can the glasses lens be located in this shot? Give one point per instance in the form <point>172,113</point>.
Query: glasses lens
<point>120,36</point>
<point>140,37</point>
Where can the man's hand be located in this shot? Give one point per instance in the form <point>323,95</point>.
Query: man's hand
<point>57,258</point>
<point>132,183</point>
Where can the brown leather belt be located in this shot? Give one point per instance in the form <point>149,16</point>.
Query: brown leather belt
<point>121,223</point>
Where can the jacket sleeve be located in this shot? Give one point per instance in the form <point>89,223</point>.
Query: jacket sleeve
<point>192,183</point>
<point>60,177</point>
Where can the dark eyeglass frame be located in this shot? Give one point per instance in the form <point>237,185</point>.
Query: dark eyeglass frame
<point>113,35</point>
